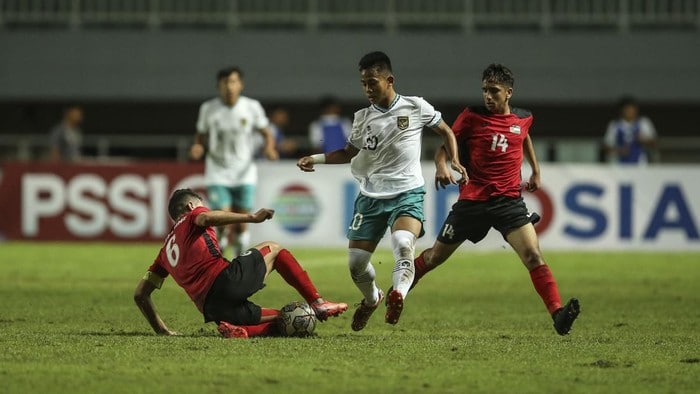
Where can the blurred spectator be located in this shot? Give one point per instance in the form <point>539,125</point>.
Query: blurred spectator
<point>279,121</point>
<point>631,138</point>
<point>67,137</point>
<point>330,131</point>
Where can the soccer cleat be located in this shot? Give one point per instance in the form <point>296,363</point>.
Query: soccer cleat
<point>394,306</point>
<point>564,317</point>
<point>228,330</point>
<point>326,309</point>
<point>364,312</point>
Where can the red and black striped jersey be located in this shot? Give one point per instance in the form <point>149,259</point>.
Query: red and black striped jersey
<point>491,149</point>
<point>192,256</point>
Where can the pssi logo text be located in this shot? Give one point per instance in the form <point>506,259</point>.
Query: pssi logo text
<point>128,206</point>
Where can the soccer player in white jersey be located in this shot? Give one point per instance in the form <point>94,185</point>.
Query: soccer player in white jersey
<point>225,130</point>
<point>384,151</point>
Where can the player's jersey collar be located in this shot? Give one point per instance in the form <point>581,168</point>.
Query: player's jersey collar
<point>385,110</point>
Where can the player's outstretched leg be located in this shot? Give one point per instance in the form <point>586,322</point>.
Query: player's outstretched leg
<point>292,272</point>
<point>364,312</point>
<point>266,328</point>
<point>325,309</point>
<point>228,330</point>
<point>564,317</point>
<point>403,243</point>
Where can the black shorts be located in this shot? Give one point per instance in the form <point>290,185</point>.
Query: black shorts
<point>472,220</point>
<point>227,299</point>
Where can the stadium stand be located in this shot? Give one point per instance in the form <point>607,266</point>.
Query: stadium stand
<point>388,15</point>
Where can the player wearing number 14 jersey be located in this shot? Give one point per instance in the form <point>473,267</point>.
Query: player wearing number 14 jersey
<point>493,140</point>
<point>218,287</point>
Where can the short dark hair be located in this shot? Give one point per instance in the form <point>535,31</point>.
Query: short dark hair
<point>71,106</point>
<point>376,59</point>
<point>327,101</point>
<point>498,73</point>
<point>179,200</point>
<point>225,72</point>
<point>625,101</point>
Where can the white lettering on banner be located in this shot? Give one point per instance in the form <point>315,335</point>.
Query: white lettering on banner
<point>158,185</point>
<point>136,220</point>
<point>583,207</point>
<point>94,213</point>
<point>34,206</point>
<point>129,206</point>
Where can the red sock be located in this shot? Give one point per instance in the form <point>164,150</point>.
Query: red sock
<point>264,329</point>
<point>546,287</point>
<point>421,268</point>
<point>289,268</point>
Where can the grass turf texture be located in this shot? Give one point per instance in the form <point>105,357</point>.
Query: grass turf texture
<point>68,324</point>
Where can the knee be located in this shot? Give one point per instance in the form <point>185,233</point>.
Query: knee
<point>403,241</point>
<point>274,247</point>
<point>358,260</point>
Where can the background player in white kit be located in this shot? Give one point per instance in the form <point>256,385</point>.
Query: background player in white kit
<point>225,127</point>
<point>384,149</point>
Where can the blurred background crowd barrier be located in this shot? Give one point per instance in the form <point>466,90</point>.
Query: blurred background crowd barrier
<point>140,68</point>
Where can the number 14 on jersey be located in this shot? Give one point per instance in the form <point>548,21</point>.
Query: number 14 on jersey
<point>499,141</point>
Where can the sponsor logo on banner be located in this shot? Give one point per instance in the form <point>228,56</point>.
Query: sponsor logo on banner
<point>296,208</point>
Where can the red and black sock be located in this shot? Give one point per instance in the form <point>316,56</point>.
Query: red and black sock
<point>290,269</point>
<point>546,287</point>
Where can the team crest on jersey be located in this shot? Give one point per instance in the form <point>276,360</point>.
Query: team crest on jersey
<point>402,122</point>
<point>515,129</point>
<point>244,122</point>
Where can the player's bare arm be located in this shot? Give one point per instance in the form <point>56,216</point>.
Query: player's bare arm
<point>270,150</point>
<point>142,297</point>
<point>197,148</point>
<point>450,148</point>
<point>221,218</point>
<point>340,156</point>
<point>443,174</point>
<point>529,152</point>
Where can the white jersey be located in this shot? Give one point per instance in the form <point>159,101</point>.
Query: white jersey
<point>389,140</point>
<point>229,160</point>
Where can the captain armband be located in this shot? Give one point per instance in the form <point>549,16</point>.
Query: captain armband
<point>154,279</point>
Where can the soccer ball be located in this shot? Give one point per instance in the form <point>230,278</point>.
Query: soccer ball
<point>297,319</point>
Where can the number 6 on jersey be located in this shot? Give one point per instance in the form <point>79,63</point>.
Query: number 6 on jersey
<point>172,250</point>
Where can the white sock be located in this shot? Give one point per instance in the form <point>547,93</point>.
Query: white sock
<point>403,246</point>
<point>362,273</point>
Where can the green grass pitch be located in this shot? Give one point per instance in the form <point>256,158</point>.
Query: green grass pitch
<point>68,324</point>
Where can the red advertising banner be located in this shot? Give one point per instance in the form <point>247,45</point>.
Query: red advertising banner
<point>92,201</point>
